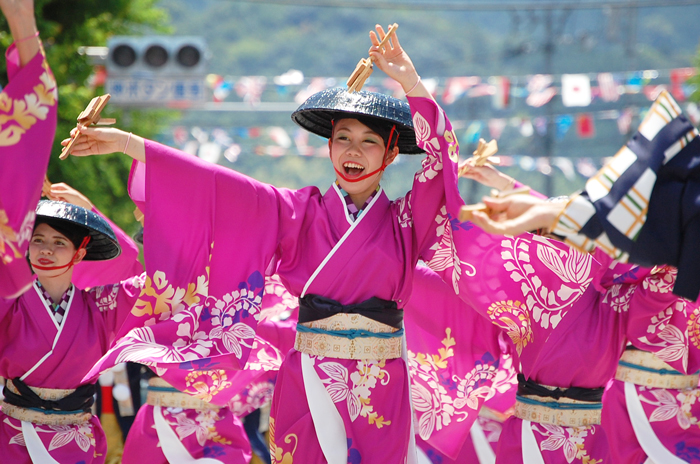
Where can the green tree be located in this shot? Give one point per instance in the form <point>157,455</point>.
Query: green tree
<point>66,25</point>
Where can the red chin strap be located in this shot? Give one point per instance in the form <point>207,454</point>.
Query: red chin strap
<point>82,246</point>
<point>384,165</point>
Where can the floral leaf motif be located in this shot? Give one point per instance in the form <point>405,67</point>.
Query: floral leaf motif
<point>18,440</point>
<point>354,406</point>
<point>421,127</point>
<point>421,398</point>
<point>663,413</point>
<point>426,424</point>
<point>550,258</point>
<point>338,391</point>
<point>335,371</point>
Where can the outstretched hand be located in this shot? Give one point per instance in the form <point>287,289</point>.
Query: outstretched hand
<point>517,214</point>
<point>101,141</point>
<point>395,62</point>
<point>486,175</point>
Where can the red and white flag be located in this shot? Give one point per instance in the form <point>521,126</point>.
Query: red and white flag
<point>576,89</point>
<point>540,90</point>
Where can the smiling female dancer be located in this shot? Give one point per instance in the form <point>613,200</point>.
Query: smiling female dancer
<point>349,254</point>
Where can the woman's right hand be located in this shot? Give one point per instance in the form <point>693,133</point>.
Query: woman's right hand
<point>101,141</point>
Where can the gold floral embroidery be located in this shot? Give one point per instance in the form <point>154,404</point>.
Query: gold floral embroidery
<point>166,299</point>
<point>279,455</point>
<point>434,407</point>
<point>452,145</point>
<point>206,384</point>
<point>520,329</point>
<point>26,111</point>
<point>694,327</point>
<point>8,240</point>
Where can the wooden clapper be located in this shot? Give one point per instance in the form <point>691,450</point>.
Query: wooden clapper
<point>364,68</point>
<point>89,116</point>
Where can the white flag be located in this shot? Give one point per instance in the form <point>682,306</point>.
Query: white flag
<point>575,89</point>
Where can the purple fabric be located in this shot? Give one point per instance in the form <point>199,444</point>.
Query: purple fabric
<point>28,124</point>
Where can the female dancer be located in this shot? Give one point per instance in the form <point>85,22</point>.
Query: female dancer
<point>349,254</point>
<point>46,411</point>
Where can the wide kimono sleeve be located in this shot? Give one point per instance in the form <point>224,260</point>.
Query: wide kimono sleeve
<point>27,126</point>
<point>210,235</point>
<point>89,274</point>
<point>453,357</point>
<point>653,318</point>
<point>535,278</point>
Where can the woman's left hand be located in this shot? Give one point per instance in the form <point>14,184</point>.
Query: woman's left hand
<point>395,62</point>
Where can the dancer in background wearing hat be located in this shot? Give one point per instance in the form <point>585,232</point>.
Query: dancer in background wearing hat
<point>27,128</point>
<point>342,395</point>
<point>54,332</point>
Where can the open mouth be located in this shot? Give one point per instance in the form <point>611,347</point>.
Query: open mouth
<point>353,169</point>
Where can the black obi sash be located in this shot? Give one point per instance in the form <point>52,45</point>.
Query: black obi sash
<point>528,387</point>
<point>315,307</point>
<point>80,400</point>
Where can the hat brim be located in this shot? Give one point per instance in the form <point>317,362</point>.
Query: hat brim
<point>103,243</point>
<point>319,111</point>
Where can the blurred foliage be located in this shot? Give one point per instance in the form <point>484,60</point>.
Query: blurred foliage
<point>66,25</point>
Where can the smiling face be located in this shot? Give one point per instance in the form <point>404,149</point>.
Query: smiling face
<point>49,247</point>
<point>356,150</point>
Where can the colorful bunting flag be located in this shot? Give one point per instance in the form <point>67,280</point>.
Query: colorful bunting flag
<point>541,91</point>
<point>501,95</point>
<point>585,126</point>
<point>608,87</point>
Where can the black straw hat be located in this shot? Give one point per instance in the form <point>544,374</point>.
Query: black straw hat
<point>320,109</point>
<point>103,243</point>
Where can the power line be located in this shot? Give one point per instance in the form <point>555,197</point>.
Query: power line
<point>477,6</point>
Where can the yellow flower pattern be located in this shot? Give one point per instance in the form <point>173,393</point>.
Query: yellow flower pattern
<point>206,384</point>
<point>694,327</point>
<point>17,116</point>
<point>514,317</point>
<point>278,454</point>
<point>8,239</point>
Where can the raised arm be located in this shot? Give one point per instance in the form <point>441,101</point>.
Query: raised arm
<point>20,18</point>
<point>27,128</point>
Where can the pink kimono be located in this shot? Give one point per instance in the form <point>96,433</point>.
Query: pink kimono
<point>569,316</point>
<point>224,231</point>
<point>27,127</point>
<point>43,353</point>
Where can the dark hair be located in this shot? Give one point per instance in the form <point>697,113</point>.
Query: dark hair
<point>383,128</point>
<point>74,233</point>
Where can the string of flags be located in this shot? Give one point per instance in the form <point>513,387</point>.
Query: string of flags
<point>576,90</point>
<point>217,143</point>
